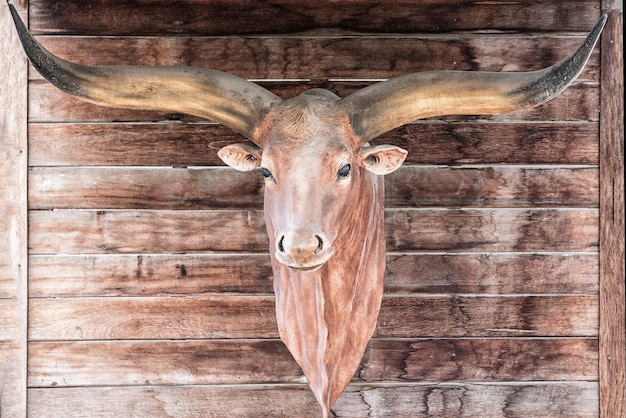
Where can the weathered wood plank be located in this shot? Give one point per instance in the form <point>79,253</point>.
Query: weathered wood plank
<point>244,401</point>
<point>327,56</point>
<point>215,188</point>
<point>217,17</point>
<point>469,316</point>
<point>492,230</point>
<point>58,364</point>
<point>559,399</point>
<point>541,400</point>
<point>150,318</point>
<point>162,232</point>
<point>139,188</point>
<point>145,275</point>
<point>183,362</point>
<point>13,211</point>
<point>253,317</point>
<point>180,144</point>
<point>492,187</point>
<point>612,285</point>
<point>118,232</point>
<point>167,275</point>
<point>580,102</point>
<point>478,360</point>
<point>492,273</point>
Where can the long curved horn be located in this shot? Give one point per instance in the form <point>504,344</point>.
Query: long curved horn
<point>227,99</point>
<point>386,105</point>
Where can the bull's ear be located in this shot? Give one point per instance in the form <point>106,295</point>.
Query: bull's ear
<point>382,159</point>
<point>242,157</point>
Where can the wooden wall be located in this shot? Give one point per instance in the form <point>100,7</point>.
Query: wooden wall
<point>149,284</point>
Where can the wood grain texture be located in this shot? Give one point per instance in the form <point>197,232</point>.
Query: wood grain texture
<point>119,232</point>
<point>211,188</point>
<point>218,17</point>
<point>13,211</point>
<point>612,286</point>
<point>210,362</point>
<point>571,399</point>
<point>170,275</point>
<point>473,316</point>
<point>545,400</point>
<point>196,144</point>
<point>254,317</point>
<point>285,400</point>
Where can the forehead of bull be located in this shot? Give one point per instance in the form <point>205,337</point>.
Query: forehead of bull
<point>308,123</point>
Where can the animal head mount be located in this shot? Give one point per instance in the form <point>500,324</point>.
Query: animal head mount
<point>323,184</point>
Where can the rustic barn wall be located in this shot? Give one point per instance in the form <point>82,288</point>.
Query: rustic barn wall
<point>149,282</point>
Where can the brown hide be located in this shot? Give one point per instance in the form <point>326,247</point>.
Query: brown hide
<point>324,218</point>
<point>326,317</point>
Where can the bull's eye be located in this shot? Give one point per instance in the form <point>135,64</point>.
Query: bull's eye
<point>343,172</point>
<point>266,173</point>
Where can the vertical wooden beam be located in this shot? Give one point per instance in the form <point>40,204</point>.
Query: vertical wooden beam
<point>612,291</point>
<point>13,225</point>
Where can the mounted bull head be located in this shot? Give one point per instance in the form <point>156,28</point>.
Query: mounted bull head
<point>323,189</point>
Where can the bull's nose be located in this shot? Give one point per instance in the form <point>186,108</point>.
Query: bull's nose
<point>303,249</point>
<point>307,246</point>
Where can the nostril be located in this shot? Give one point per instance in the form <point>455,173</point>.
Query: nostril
<point>320,244</point>
<point>281,247</point>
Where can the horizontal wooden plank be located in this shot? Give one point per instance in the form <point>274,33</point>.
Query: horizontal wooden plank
<point>253,317</point>
<point>553,400</point>
<point>491,230</point>
<point>196,144</point>
<point>244,401</point>
<point>140,188</point>
<point>536,399</point>
<point>118,232</point>
<point>218,17</point>
<point>59,364</point>
<point>145,275</point>
<point>579,102</point>
<point>492,273</point>
<point>353,57</point>
<point>508,187</point>
<point>215,188</point>
<point>139,275</point>
<point>182,362</point>
<point>149,318</point>
<point>469,316</point>
<point>113,232</point>
<point>478,360</point>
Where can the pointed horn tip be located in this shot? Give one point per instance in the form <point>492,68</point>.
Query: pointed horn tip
<point>599,26</point>
<point>585,49</point>
<point>15,15</point>
<point>594,35</point>
<point>11,6</point>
